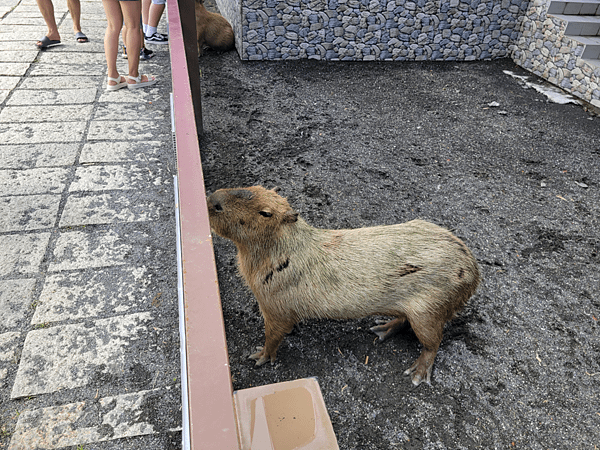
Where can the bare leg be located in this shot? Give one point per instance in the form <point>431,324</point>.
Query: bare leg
<point>155,14</point>
<point>47,9</point>
<point>133,38</point>
<point>273,337</point>
<point>114,17</point>
<point>75,10</point>
<point>145,10</point>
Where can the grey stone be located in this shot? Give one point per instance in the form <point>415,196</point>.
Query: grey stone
<point>22,253</point>
<point>28,212</point>
<point>126,415</point>
<point>33,181</point>
<point>16,298</point>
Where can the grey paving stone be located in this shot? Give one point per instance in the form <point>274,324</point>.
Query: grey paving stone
<point>82,250</point>
<point>49,57</point>
<point>52,97</point>
<point>41,133</point>
<point>118,111</point>
<point>28,156</point>
<point>3,94</point>
<point>33,181</point>
<point>130,96</point>
<point>21,29</point>
<point>107,208</point>
<point>46,113</point>
<point>16,297</point>
<point>22,253</point>
<point>9,82</point>
<point>28,212</point>
<point>120,151</point>
<point>20,56</point>
<point>94,45</point>
<point>8,354</point>
<point>101,178</point>
<point>30,8</point>
<point>61,82</point>
<point>20,19</point>
<point>13,33</point>
<point>89,294</point>
<point>93,25</point>
<point>14,69</point>
<point>69,356</point>
<point>92,421</point>
<point>60,69</point>
<point>122,130</point>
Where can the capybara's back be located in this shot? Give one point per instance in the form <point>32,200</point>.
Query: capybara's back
<point>415,271</point>
<point>212,30</point>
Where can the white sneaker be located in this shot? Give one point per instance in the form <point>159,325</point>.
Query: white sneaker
<point>157,38</point>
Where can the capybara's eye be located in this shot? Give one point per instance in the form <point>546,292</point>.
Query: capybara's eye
<point>265,214</point>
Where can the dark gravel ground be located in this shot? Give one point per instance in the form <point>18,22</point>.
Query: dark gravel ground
<point>362,144</point>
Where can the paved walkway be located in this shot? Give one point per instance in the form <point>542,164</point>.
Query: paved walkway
<point>89,342</point>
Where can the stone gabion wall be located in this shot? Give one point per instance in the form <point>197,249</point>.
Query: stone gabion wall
<point>232,11</point>
<point>543,49</point>
<point>390,30</point>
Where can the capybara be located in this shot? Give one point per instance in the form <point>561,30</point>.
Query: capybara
<point>212,30</point>
<point>416,271</point>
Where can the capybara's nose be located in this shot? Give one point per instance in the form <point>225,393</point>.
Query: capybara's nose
<point>215,201</point>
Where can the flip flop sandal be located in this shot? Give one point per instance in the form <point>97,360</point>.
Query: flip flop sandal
<point>139,83</point>
<point>114,87</point>
<point>81,38</point>
<point>46,42</point>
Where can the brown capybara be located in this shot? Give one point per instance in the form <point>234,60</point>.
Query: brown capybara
<point>212,30</point>
<point>416,271</point>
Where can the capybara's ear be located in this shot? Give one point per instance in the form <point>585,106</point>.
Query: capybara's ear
<point>276,189</point>
<point>290,216</point>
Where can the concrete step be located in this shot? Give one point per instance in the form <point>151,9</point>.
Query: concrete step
<point>284,416</point>
<point>592,46</point>
<point>595,63</point>
<point>579,7</point>
<point>580,25</point>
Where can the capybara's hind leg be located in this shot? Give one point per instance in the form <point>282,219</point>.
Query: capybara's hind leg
<point>429,332</point>
<point>273,337</point>
<point>421,368</point>
<point>387,329</point>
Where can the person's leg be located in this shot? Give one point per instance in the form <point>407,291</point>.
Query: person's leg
<point>47,9</point>
<point>145,13</point>
<point>131,15</point>
<point>152,36</point>
<point>75,10</point>
<point>155,13</point>
<point>114,16</point>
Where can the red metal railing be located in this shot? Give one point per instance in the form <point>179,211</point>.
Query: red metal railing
<point>212,423</point>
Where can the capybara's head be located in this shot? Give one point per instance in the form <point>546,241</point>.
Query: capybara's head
<point>249,215</point>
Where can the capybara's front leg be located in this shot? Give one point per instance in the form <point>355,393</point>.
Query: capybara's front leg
<point>274,334</point>
<point>386,329</point>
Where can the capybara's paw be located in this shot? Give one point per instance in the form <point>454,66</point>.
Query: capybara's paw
<point>386,329</point>
<point>261,356</point>
<point>419,372</point>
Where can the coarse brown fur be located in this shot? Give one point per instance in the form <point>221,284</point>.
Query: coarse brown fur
<point>416,271</point>
<point>212,30</point>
